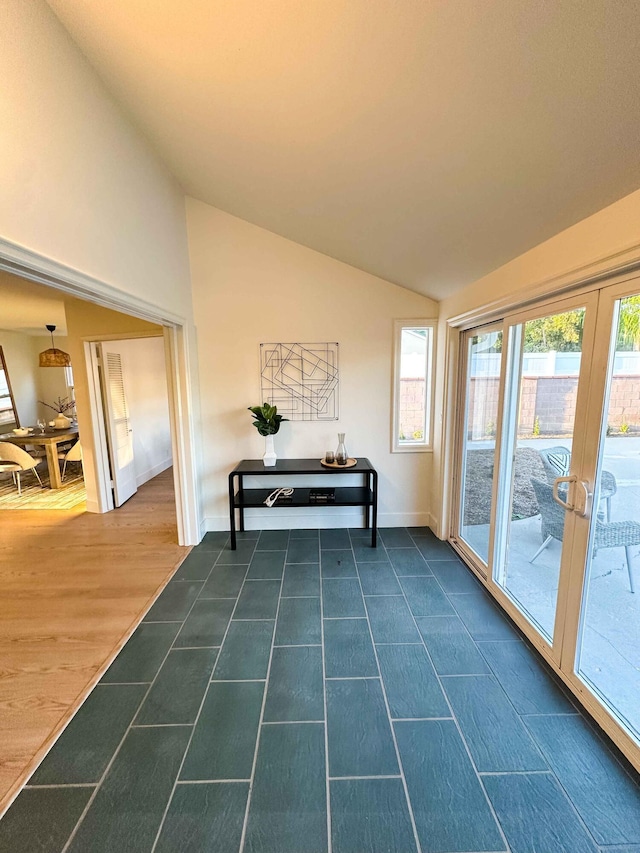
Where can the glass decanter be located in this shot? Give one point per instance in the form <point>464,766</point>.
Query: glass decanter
<point>341,453</point>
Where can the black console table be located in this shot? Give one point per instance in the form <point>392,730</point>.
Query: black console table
<point>365,495</point>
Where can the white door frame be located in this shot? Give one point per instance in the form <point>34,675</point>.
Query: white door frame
<point>178,337</point>
<point>99,492</point>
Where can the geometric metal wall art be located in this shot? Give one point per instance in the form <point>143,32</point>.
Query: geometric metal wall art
<point>301,380</point>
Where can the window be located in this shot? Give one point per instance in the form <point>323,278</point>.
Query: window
<point>68,377</point>
<point>8,414</point>
<point>413,385</point>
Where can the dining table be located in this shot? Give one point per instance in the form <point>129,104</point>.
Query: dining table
<point>50,439</point>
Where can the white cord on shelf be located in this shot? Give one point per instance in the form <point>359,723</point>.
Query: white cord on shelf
<point>273,497</point>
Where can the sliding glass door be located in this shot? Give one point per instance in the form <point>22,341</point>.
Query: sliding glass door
<point>607,657</point>
<point>549,488</point>
<point>483,360</point>
<point>539,417</point>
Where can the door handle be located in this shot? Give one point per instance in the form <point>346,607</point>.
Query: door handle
<point>583,507</point>
<point>564,504</point>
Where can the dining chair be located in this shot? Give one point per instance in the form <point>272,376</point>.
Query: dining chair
<point>608,534</point>
<point>16,460</point>
<point>74,454</point>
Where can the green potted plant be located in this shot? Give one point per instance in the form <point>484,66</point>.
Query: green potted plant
<point>267,421</point>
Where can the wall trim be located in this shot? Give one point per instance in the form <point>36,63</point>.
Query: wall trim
<point>432,524</point>
<point>100,493</point>
<point>93,506</point>
<point>29,264</point>
<point>204,528</point>
<point>323,520</point>
<point>152,472</point>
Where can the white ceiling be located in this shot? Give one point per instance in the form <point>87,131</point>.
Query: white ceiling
<point>425,141</point>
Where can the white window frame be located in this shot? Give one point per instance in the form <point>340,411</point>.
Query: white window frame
<point>426,444</point>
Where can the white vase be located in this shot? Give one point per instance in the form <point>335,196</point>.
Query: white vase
<point>61,422</point>
<point>269,459</point>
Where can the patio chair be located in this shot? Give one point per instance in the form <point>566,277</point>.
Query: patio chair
<point>609,534</point>
<point>16,460</point>
<point>557,461</point>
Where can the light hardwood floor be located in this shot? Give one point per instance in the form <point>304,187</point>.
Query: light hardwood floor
<point>73,586</point>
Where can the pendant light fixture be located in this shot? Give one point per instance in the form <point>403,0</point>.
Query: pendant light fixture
<point>54,357</point>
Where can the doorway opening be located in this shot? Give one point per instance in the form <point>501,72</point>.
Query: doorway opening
<point>97,312</point>
<point>129,388</point>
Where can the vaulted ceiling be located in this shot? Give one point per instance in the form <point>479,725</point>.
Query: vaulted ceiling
<point>425,141</point>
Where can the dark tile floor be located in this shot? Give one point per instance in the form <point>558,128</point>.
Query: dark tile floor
<point>307,693</point>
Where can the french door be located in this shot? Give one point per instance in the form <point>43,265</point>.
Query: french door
<point>548,474</point>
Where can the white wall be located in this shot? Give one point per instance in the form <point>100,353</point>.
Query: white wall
<point>145,384</point>
<point>251,286</point>
<point>79,184</point>
<point>30,382</point>
<point>22,365</point>
<point>82,187</point>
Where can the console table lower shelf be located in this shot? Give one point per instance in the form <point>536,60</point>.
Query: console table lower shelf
<point>365,496</point>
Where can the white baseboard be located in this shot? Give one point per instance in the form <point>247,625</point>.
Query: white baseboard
<point>202,528</point>
<point>93,506</point>
<point>432,523</point>
<point>328,517</point>
<point>403,519</point>
<point>150,473</point>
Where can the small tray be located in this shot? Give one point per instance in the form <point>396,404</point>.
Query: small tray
<point>350,464</point>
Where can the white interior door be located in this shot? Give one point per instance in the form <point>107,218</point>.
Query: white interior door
<point>119,432</point>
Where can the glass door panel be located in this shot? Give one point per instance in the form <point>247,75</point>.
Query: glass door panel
<point>483,366</point>
<point>552,402</point>
<point>541,388</point>
<point>608,651</point>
